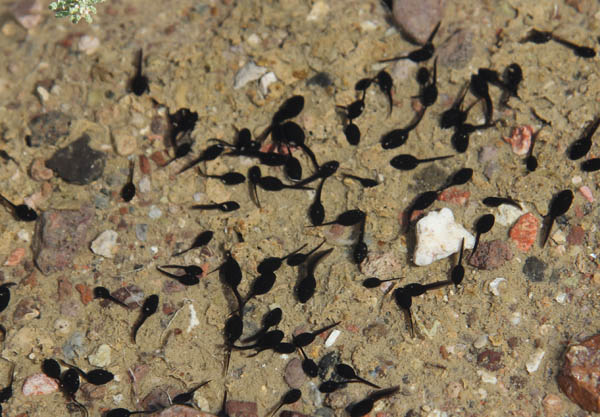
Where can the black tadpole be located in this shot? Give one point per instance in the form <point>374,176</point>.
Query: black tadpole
<point>234,327</point>
<point>582,146</point>
<point>123,412</point>
<point>186,397</point>
<point>422,54</point>
<point>386,83</point>
<point>191,275</point>
<point>201,240</point>
<point>230,273</point>
<point>289,397</point>
<point>209,154</point>
<point>299,258</point>
<point>365,182</point>
<point>316,211</point>
<point>271,319</point>
<point>347,218</point>
<point>5,295</point>
<point>483,225</point>
<point>21,211</point>
<point>128,190</point>
<point>304,339</point>
<point>273,263</point>
<point>6,393</point>
<point>51,368</point>
<point>375,282</point>
<point>139,83</point>
<point>225,206</point>
<point>398,137</point>
<point>229,178</point>
<point>95,376</point>
<point>352,133</point>
<point>406,162</point>
<point>458,272</point>
<point>360,250</point>
<point>429,91</point>
<point>460,177</point>
<point>148,308</point>
<point>347,372</point>
<point>307,285</point>
<point>591,165</point>
<point>497,201</point>
<point>104,293</point>
<point>559,205</point>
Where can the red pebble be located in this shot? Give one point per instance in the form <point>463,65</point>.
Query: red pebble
<point>85,292</point>
<point>145,165</point>
<point>455,196</point>
<point>524,232</point>
<point>576,235</point>
<point>159,158</point>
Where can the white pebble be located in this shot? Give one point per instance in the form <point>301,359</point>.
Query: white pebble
<point>88,44</point>
<point>508,215</point>
<point>515,318</point>
<point>101,357</point>
<point>439,236</point>
<point>332,338</point>
<point>39,384</point>
<point>533,363</point>
<point>494,286</point>
<point>561,298</point>
<point>576,180</point>
<point>318,11</point>
<point>254,40</point>
<point>265,81</point>
<point>193,318</point>
<point>62,326</point>
<point>481,341</point>
<point>145,185</point>
<point>154,212</point>
<point>23,235</point>
<point>487,377</point>
<point>105,244</point>
<point>248,73</point>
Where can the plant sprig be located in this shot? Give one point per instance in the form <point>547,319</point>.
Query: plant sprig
<point>75,9</point>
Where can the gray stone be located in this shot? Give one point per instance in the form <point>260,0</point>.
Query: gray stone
<point>534,269</point>
<point>59,235</point>
<point>141,232</point>
<point>48,128</point>
<point>417,18</point>
<point>77,163</point>
<point>294,376</point>
<point>458,50</point>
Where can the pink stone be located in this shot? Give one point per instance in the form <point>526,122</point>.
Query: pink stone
<point>520,141</point>
<point>524,232</point>
<point>39,384</point>
<point>15,257</point>
<point>455,196</point>
<point>586,193</point>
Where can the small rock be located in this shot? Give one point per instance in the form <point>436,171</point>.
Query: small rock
<point>488,153</point>
<point>62,326</point>
<point>65,288</point>
<point>159,158</point>
<point>101,357</point>
<point>524,232</point>
<point>382,264</point>
<point>439,236</point>
<point>534,361</point>
<point>39,384</point>
<point>553,404</point>
<point>586,193</point>
<point>288,413</point>
<point>578,377</point>
<point>26,309</point>
<point>457,51</point>
<point>576,235</point>
<point>402,70</point>
<point>265,81</point>
<point>454,195</point>
<point>324,412</point>
<point>508,215</point>
<point>495,285</point>
<point>154,212</point>
<point>417,18</point>
<point>248,73</point>
<point>294,376</point>
<point>181,411</point>
<point>339,235</point>
<point>125,143</point>
<point>534,269</point>
<point>77,163</point>
<point>520,140</point>
<point>481,341</point>
<point>491,255</point>
<point>241,409</point>
<point>144,165</point>
<point>105,244</point>
<point>141,232</point>
<point>93,392</point>
<point>145,185</point>
<point>15,257</point>
<point>88,44</point>
<point>38,170</point>
<point>48,128</point>
<point>131,295</point>
<point>101,201</point>
<point>332,338</point>
<point>487,377</point>
<point>490,360</point>
<point>28,12</point>
<point>85,293</point>
<point>318,11</point>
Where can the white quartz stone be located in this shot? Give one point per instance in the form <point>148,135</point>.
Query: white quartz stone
<point>439,236</point>
<point>105,244</point>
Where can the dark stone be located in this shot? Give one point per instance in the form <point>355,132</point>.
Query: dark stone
<point>241,409</point>
<point>491,255</point>
<point>77,163</point>
<point>534,269</point>
<point>328,362</point>
<point>59,235</point>
<point>48,128</point>
<point>490,360</point>
<point>321,79</point>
